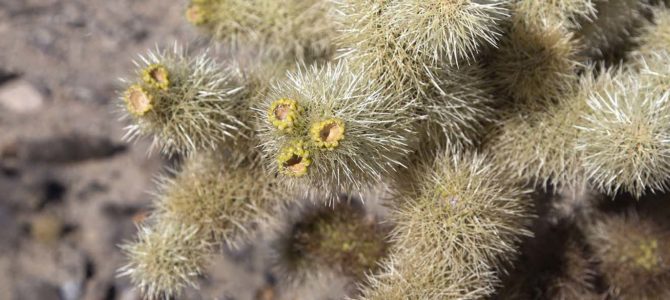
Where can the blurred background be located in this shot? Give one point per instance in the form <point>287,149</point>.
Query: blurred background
<point>70,189</point>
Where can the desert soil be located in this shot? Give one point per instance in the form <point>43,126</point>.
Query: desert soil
<point>71,189</point>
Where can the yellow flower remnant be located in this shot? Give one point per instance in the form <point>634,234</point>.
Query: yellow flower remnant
<point>646,256</point>
<point>294,160</point>
<point>156,76</point>
<point>327,134</point>
<point>138,101</point>
<point>195,15</point>
<point>283,114</point>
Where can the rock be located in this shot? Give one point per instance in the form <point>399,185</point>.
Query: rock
<point>266,293</point>
<point>46,228</point>
<point>53,193</point>
<point>71,290</point>
<point>20,96</point>
<point>33,289</point>
<point>130,294</point>
<point>9,229</point>
<point>6,76</point>
<point>74,147</point>
<point>6,278</point>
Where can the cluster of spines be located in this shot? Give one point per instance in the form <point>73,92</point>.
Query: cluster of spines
<point>625,123</point>
<point>452,32</point>
<point>611,29</point>
<point>290,29</point>
<point>655,37</point>
<point>332,128</point>
<point>605,129</point>
<point>609,131</point>
<point>625,138</point>
<point>556,160</point>
<point>569,12</point>
<point>187,103</point>
<point>208,205</point>
<point>369,44</point>
<point>536,62</point>
<point>343,238</point>
<point>458,109</point>
<point>457,223</point>
<point>434,68</point>
<point>633,255</point>
<point>166,258</point>
<point>413,68</point>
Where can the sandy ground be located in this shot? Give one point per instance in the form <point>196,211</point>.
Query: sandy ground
<point>70,188</point>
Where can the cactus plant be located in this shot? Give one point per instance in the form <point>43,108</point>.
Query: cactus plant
<point>187,103</point>
<point>450,113</point>
<point>292,29</point>
<point>344,238</point>
<point>457,224</point>
<point>332,129</point>
<point>632,253</point>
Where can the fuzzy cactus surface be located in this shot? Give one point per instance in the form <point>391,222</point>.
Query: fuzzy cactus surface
<point>422,149</point>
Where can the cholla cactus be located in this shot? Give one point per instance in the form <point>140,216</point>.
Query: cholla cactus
<point>438,31</point>
<point>455,113</point>
<point>625,138</point>
<point>614,24</point>
<point>656,37</point>
<point>186,103</point>
<point>633,255</point>
<point>332,128</point>
<point>403,42</point>
<point>452,104</point>
<point>568,97</point>
<point>457,223</point>
<point>208,204</point>
<point>556,161</point>
<point>370,43</point>
<point>166,258</point>
<point>287,28</point>
<point>654,51</point>
<point>572,12</point>
<point>344,238</point>
<point>220,200</point>
<point>576,279</point>
<point>536,63</point>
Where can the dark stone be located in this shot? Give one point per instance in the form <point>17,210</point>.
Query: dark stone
<point>32,289</point>
<point>6,76</point>
<point>9,228</point>
<point>89,269</point>
<point>116,211</point>
<point>10,171</point>
<point>93,187</point>
<point>110,294</point>
<point>67,149</point>
<point>54,192</point>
